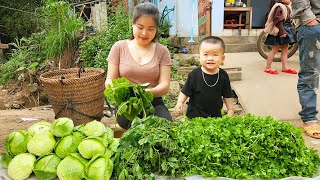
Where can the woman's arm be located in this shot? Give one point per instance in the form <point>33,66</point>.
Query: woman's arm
<point>164,82</point>
<point>302,9</point>
<point>113,73</point>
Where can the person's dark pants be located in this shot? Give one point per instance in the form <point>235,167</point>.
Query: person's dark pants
<point>160,110</point>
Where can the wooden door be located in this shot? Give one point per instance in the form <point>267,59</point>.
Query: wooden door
<point>204,18</point>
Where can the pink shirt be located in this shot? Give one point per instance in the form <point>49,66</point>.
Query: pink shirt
<point>139,74</point>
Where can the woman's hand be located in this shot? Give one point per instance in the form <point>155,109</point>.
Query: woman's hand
<point>164,82</point>
<point>283,36</point>
<point>313,23</point>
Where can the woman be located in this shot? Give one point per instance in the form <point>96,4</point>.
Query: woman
<point>140,59</point>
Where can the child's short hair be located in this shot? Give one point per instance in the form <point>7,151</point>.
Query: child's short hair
<point>213,40</point>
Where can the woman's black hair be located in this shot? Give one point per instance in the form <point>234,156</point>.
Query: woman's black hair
<point>148,9</point>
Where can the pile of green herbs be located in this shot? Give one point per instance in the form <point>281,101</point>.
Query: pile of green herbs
<point>241,147</point>
<point>132,99</point>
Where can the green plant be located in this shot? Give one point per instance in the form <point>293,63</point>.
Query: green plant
<point>95,49</point>
<point>192,61</point>
<point>132,99</point>
<point>169,101</point>
<point>240,147</point>
<point>19,19</point>
<point>27,55</point>
<point>21,166</point>
<point>46,167</point>
<point>164,29</point>
<point>61,27</point>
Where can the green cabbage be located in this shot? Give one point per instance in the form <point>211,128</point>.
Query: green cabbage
<point>72,167</point>
<point>41,144</point>
<point>94,128</point>
<point>90,147</point>
<point>99,167</point>
<point>5,159</point>
<point>107,137</point>
<point>16,142</point>
<point>68,144</point>
<point>46,167</point>
<point>62,127</point>
<point>41,126</point>
<point>114,145</point>
<point>21,166</point>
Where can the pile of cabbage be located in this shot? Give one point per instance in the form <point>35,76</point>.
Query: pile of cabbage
<point>60,149</point>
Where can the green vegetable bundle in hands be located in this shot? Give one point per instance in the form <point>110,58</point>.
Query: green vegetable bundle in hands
<point>132,99</point>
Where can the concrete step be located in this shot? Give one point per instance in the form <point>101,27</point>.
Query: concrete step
<point>236,40</point>
<point>229,48</point>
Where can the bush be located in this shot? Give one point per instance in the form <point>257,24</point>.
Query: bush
<point>95,49</point>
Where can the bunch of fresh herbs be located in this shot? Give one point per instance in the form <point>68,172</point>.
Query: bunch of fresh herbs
<point>132,99</point>
<point>241,147</point>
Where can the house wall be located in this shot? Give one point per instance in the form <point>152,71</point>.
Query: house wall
<point>186,18</point>
<point>217,17</point>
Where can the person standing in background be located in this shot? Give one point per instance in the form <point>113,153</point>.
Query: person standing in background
<point>281,34</point>
<point>308,37</point>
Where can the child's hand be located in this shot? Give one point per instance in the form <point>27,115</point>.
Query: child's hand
<point>283,35</point>
<point>178,109</point>
<point>230,112</point>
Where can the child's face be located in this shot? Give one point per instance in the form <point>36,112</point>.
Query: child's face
<point>211,56</point>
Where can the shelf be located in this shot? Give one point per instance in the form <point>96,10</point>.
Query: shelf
<point>239,11</point>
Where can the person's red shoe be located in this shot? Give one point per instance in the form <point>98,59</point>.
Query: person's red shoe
<point>271,71</point>
<point>290,71</point>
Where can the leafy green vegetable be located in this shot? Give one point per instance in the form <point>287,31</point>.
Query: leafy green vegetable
<point>90,147</point>
<point>99,167</point>
<point>132,100</point>
<point>94,128</point>
<point>21,166</point>
<point>46,167</point>
<point>241,147</point>
<point>39,127</point>
<point>5,159</point>
<point>68,144</point>
<point>41,144</point>
<point>62,127</point>
<point>72,167</point>
<point>16,142</point>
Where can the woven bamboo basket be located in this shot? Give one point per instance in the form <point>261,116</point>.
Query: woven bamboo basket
<point>76,93</point>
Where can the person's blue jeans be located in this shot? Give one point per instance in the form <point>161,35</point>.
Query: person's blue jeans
<point>308,82</point>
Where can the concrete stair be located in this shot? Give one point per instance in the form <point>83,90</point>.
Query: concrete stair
<point>236,40</point>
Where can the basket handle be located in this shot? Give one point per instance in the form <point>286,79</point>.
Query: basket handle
<point>81,68</point>
<point>61,80</point>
